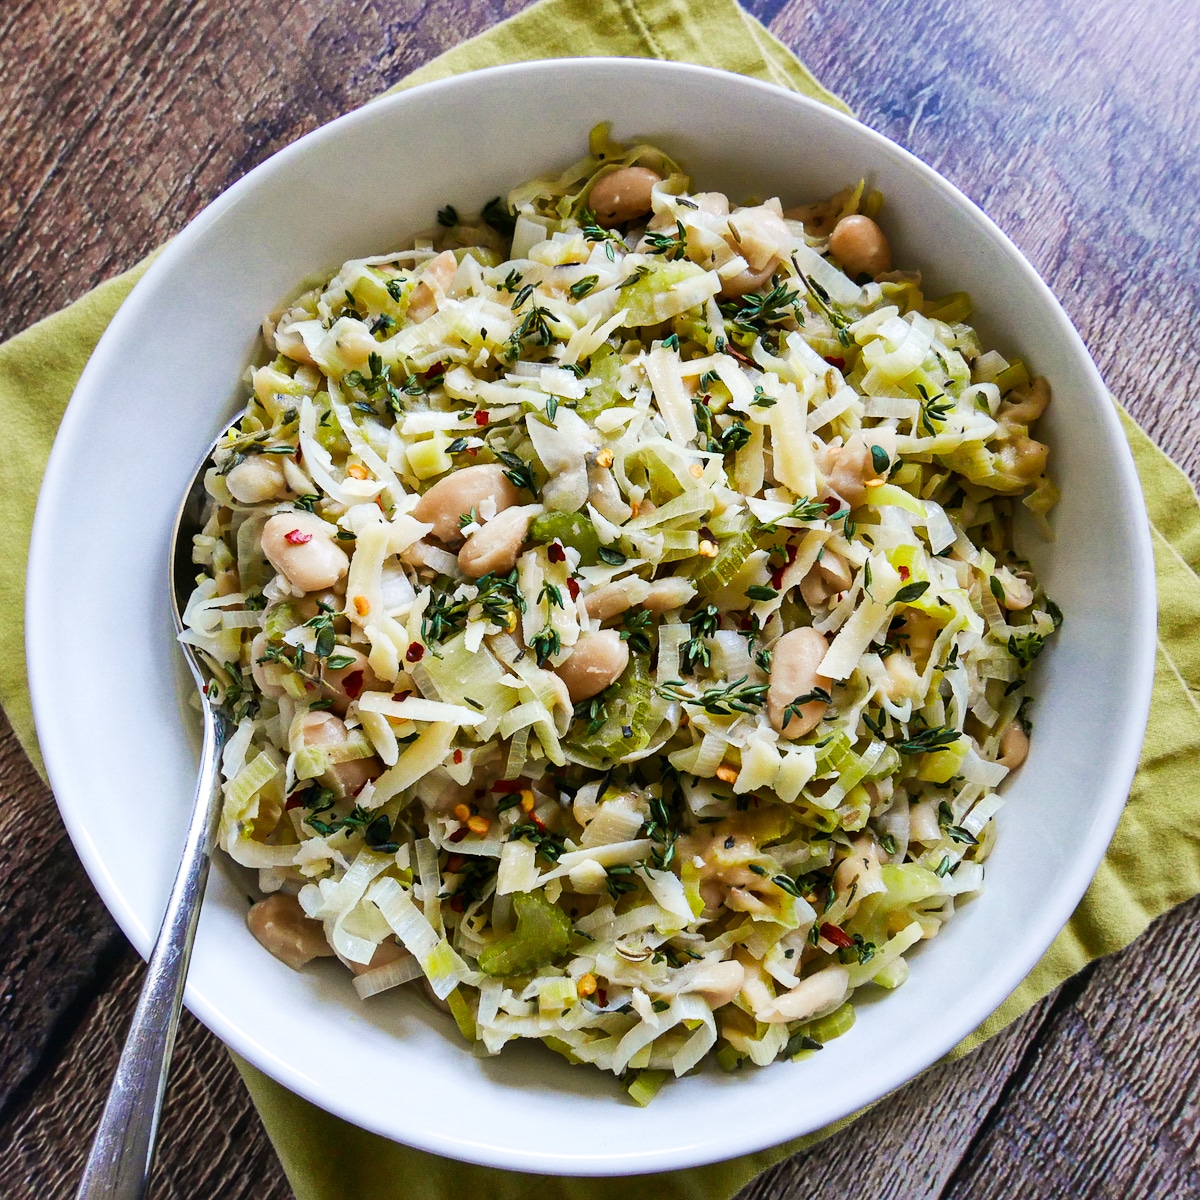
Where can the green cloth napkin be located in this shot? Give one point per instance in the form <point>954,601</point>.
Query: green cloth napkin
<point>1152,864</point>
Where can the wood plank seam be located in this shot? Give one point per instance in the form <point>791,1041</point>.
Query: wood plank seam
<point>1058,1013</point>
<point>109,964</point>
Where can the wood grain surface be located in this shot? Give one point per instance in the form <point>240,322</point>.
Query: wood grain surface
<point>1073,125</point>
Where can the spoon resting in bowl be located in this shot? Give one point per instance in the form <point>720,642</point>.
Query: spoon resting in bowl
<point>118,1166</point>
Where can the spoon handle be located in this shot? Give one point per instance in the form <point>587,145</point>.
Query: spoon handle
<point>118,1167</point>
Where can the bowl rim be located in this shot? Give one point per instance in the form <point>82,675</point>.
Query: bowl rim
<point>55,733</point>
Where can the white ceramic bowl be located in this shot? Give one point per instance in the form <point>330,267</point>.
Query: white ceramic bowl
<point>120,740</point>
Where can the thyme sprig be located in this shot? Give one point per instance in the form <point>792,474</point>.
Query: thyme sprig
<point>720,701</point>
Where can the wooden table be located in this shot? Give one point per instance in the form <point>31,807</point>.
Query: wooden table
<point>1071,124</point>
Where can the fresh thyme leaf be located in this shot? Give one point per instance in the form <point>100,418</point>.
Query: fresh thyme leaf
<point>721,701</point>
<point>519,473</point>
<point>802,510</point>
<point>1025,647</point>
<point>672,246</point>
<point>582,287</point>
<point>833,314</point>
<point>933,408</point>
<point>614,558</point>
<point>497,216</point>
<point>635,628</point>
<point>755,313</point>
<point>924,741</point>
<point>546,643</point>
<point>511,282</point>
<point>910,592</point>
<point>694,653</point>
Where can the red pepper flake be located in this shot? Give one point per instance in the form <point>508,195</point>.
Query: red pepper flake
<point>481,417</point>
<point>507,786</point>
<point>555,553</point>
<point>401,695</point>
<point>573,588</point>
<point>473,451</point>
<point>295,799</point>
<point>840,363</point>
<point>414,653</point>
<point>904,572</point>
<point>777,577</point>
<point>541,825</point>
<point>458,756</point>
<point>352,684</point>
<point>296,538</point>
<point>839,937</point>
<point>458,834</point>
<point>792,552</point>
<point>833,505</point>
<point>602,997</point>
<point>454,863</point>
<point>457,902</point>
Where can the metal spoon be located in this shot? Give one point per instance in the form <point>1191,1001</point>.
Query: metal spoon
<point>118,1167</point>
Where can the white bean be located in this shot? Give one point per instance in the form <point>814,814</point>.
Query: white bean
<point>438,276</point>
<point>748,281</point>
<point>719,982</point>
<point>279,924</point>
<point>850,467</point>
<point>669,593</point>
<point>1014,747</point>
<point>860,246</point>
<point>460,492</point>
<point>301,547</point>
<point>604,495</point>
<point>622,195</point>
<point>263,673</point>
<point>828,576</point>
<point>495,547</point>
<point>794,663</point>
<point>597,660</point>
<point>256,479</point>
<point>812,997</point>
<point>355,344</point>
<point>856,876</point>
<point>1023,407</point>
<point>344,684</point>
<point>385,952</point>
<point>324,730</point>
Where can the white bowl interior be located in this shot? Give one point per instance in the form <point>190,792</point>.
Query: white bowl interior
<point>120,742</point>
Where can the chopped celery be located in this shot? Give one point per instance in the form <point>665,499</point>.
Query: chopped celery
<point>605,365</point>
<point>665,290</point>
<point>951,308</point>
<point>571,529</point>
<point>627,725</point>
<point>825,1029</point>
<point>732,553</point>
<point>644,1086</point>
<point>543,933</point>
<point>464,1016</point>
<point>729,1058</point>
<point>1015,375</point>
